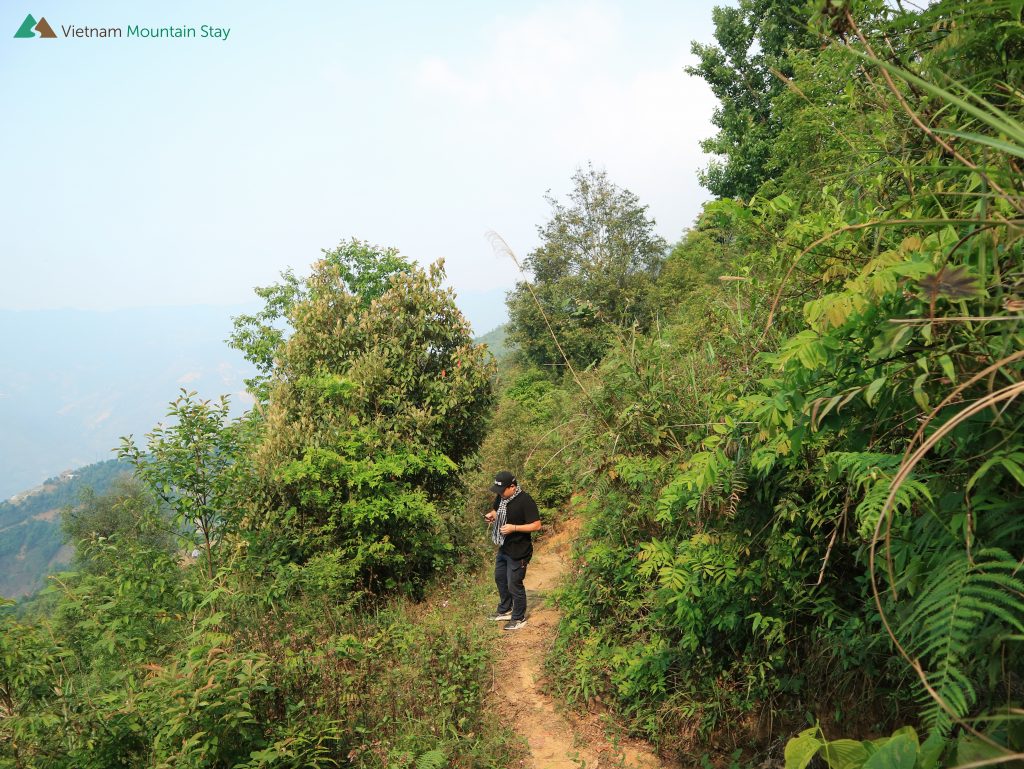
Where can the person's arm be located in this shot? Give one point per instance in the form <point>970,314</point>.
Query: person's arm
<point>531,517</point>
<point>535,526</point>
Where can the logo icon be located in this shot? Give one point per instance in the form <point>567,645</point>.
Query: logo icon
<point>30,26</point>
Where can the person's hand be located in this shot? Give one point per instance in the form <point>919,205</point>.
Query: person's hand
<point>508,528</point>
<point>490,516</point>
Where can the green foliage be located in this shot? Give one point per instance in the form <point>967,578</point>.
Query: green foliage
<point>373,410</point>
<point>528,432</point>
<point>190,465</point>
<point>126,510</point>
<point>432,759</point>
<point>901,750</point>
<point>967,598</point>
<point>745,71</point>
<point>797,501</point>
<point>308,684</point>
<point>592,273</point>
<point>28,663</point>
<point>719,240</point>
<point>362,269</point>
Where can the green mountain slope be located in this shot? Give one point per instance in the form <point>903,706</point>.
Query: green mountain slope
<point>496,341</point>
<point>31,544</point>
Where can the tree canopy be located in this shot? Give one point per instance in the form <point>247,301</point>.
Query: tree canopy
<point>373,407</point>
<point>746,71</point>
<point>592,273</point>
<point>363,269</point>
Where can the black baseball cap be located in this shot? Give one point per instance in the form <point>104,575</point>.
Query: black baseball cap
<point>502,481</point>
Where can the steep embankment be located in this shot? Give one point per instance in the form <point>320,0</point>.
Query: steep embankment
<point>557,740</point>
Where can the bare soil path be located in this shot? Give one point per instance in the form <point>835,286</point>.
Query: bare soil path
<point>557,740</point>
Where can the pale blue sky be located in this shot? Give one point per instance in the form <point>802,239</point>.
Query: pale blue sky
<point>169,172</point>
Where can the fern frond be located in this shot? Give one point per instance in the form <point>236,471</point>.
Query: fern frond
<point>432,759</point>
<point>861,468</point>
<point>872,473</point>
<point>737,483</point>
<point>998,527</point>
<point>957,601</point>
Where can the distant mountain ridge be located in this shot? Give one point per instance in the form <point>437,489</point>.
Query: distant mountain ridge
<point>496,341</point>
<point>31,541</point>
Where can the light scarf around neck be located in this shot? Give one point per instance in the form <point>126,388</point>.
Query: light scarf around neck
<point>499,520</point>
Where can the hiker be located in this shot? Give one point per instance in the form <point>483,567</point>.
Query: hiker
<point>514,515</point>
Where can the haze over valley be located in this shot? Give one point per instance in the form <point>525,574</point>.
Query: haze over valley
<point>77,380</point>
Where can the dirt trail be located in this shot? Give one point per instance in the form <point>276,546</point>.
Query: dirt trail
<point>557,740</point>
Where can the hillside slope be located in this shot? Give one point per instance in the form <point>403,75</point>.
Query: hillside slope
<point>496,341</point>
<point>31,544</point>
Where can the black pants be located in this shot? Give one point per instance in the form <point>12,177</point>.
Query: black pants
<point>509,574</point>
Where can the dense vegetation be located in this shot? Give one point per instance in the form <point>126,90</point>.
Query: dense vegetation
<point>794,437</point>
<point>801,472</point>
<point>246,600</point>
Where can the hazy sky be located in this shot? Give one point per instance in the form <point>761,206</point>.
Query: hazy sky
<point>175,172</point>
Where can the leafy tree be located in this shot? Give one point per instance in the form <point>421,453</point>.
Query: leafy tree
<point>592,273</point>
<point>753,39</point>
<point>364,270</point>
<point>372,410</point>
<point>190,463</point>
<point>28,667</point>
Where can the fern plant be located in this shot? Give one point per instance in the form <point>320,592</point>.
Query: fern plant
<point>871,473</point>
<point>965,602</point>
<point>432,759</point>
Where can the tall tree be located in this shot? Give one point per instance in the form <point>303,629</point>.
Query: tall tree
<point>593,272</point>
<point>744,71</point>
<point>191,464</point>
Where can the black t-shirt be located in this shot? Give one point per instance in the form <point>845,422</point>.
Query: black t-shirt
<point>519,512</point>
